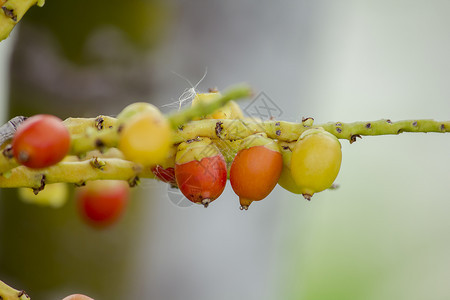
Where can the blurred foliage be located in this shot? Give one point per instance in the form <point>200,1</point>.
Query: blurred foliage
<point>71,21</point>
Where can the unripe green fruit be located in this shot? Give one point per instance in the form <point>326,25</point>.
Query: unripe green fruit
<point>316,160</point>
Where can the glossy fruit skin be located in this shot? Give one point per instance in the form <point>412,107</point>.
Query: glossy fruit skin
<point>41,141</point>
<point>202,181</point>
<point>77,297</point>
<point>254,173</point>
<point>146,138</point>
<point>286,180</point>
<point>134,109</point>
<point>102,202</point>
<point>165,174</point>
<point>315,163</point>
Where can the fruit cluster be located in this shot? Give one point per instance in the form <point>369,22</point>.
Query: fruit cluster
<point>200,167</point>
<point>197,150</point>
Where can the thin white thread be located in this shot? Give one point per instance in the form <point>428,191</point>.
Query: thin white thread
<point>188,94</point>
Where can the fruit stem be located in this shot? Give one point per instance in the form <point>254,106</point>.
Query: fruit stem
<point>232,131</point>
<point>75,172</point>
<point>350,131</point>
<point>12,12</point>
<point>290,132</point>
<point>7,161</point>
<point>9,293</point>
<point>204,108</point>
<point>86,134</point>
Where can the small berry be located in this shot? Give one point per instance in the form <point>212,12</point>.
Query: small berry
<point>41,141</point>
<point>200,171</point>
<point>316,160</point>
<point>53,195</point>
<point>255,169</point>
<point>102,202</point>
<point>146,138</point>
<point>286,180</point>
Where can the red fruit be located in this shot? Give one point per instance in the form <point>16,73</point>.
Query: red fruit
<point>102,202</point>
<point>200,171</point>
<point>41,141</point>
<point>255,172</point>
<point>77,297</point>
<point>165,174</point>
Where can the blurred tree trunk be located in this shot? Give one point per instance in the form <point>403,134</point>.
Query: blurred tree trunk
<point>76,58</point>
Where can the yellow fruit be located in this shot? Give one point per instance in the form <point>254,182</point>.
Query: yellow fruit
<point>135,108</point>
<point>286,181</point>
<point>231,110</point>
<point>235,110</point>
<point>315,162</point>
<point>146,138</point>
<point>54,195</point>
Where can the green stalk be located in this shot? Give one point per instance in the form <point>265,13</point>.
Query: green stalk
<point>76,172</point>
<point>226,134</point>
<point>179,118</point>
<point>8,293</point>
<point>87,136</point>
<point>350,131</point>
<point>7,161</point>
<point>290,132</point>
<point>12,12</point>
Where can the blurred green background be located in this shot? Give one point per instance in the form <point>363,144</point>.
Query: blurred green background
<point>382,235</point>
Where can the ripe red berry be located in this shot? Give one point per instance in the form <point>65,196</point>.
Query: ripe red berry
<point>200,171</point>
<point>102,202</point>
<point>255,169</point>
<point>41,141</point>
